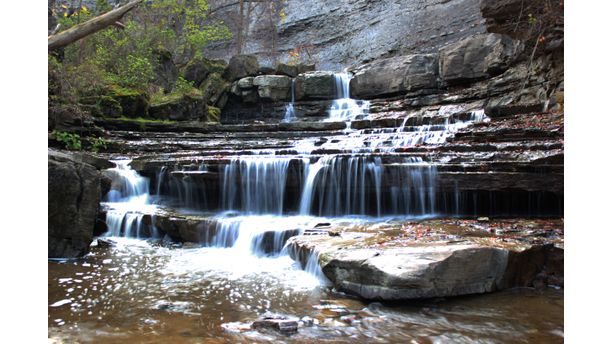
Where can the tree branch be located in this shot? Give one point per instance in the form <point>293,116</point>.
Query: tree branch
<point>89,27</point>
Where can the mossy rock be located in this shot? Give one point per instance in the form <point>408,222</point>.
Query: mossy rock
<point>214,113</point>
<point>134,103</point>
<point>179,108</point>
<point>213,88</point>
<point>199,69</point>
<point>101,106</point>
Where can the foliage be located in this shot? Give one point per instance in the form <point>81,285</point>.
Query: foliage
<point>181,89</point>
<point>129,57</point>
<point>98,143</point>
<point>70,141</point>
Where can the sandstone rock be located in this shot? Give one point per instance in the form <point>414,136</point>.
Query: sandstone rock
<point>421,272</point>
<point>330,34</point>
<point>500,15</point>
<point>74,197</point>
<point>478,57</point>
<point>294,70</point>
<point>246,83</point>
<point>377,264</point>
<point>315,85</point>
<point>274,87</point>
<point>241,66</point>
<point>395,75</point>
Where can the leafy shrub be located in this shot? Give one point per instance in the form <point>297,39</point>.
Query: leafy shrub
<point>98,143</point>
<point>70,141</point>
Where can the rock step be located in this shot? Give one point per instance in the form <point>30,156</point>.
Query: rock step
<point>437,258</point>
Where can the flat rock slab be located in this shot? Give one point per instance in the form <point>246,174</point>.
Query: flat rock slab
<point>436,258</point>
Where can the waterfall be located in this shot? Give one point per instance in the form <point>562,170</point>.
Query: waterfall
<point>128,202</point>
<point>344,108</point>
<point>261,235</point>
<point>289,112</point>
<point>255,185</point>
<point>353,185</point>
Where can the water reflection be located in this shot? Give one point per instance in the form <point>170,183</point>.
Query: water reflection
<point>141,291</point>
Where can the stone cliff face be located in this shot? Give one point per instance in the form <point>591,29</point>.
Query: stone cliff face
<point>339,34</point>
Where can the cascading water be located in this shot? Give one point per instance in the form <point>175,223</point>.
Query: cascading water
<point>353,185</point>
<point>344,108</point>
<point>255,185</point>
<point>289,111</point>
<point>128,202</point>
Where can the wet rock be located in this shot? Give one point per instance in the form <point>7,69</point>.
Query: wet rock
<point>278,323</point>
<point>105,243</point>
<point>241,66</point>
<point>246,83</point>
<point>315,85</point>
<point>392,76</point>
<point>273,87</point>
<point>478,57</point>
<point>307,321</point>
<point>450,267</point>
<point>74,197</point>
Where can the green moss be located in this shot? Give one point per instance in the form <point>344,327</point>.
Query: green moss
<point>213,114</point>
<point>119,91</point>
<point>141,120</point>
<point>213,88</point>
<point>160,98</point>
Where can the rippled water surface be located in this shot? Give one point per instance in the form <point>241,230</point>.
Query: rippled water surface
<point>140,292</point>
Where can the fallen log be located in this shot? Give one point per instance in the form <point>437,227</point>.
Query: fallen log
<point>93,25</point>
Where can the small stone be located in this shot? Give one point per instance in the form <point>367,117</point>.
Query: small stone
<point>284,326</point>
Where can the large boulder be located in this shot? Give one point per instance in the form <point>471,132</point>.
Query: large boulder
<point>187,107</point>
<point>438,258</point>
<point>273,87</point>
<point>315,85</point>
<point>395,75</point>
<point>478,57</point>
<point>241,66</point>
<point>134,103</point>
<point>294,69</point>
<point>213,89</point>
<point>74,193</point>
<point>198,70</point>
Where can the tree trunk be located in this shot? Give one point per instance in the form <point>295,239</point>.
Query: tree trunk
<point>89,27</point>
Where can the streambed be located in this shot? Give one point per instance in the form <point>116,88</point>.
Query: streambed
<point>140,291</point>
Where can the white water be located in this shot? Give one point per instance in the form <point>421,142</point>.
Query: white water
<point>289,111</point>
<point>343,107</point>
<point>128,203</point>
<point>254,188</point>
<point>255,185</point>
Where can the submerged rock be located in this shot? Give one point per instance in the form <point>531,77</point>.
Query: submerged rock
<point>278,323</point>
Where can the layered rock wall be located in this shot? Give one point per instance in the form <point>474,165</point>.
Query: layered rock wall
<point>337,34</point>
